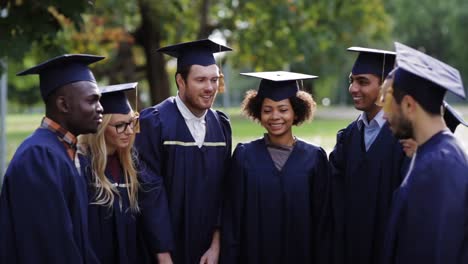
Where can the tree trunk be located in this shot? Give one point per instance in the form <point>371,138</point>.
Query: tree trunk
<point>149,37</point>
<point>205,28</point>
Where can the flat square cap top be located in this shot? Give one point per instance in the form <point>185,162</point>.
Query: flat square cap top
<point>62,70</point>
<point>426,67</point>
<point>373,61</point>
<point>114,100</point>
<point>278,85</point>
<point>198,52</point>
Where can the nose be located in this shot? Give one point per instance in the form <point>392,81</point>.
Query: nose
<point>211,86</point>
<point>275,114</point>
<point>353,87</point>
<point>129,130</point>
<point>99,108</point>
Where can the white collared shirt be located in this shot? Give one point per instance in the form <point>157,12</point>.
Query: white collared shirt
<point>196,125</point>
<point>372,128</point>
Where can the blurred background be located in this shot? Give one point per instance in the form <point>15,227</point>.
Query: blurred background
<point>307,36</point>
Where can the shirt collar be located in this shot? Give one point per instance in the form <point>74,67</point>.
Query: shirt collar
<point>61,132</point>
<point>378,118</point>
<point>186,113</point>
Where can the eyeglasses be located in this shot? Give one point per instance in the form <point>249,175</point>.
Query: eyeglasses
<point>122,127</point>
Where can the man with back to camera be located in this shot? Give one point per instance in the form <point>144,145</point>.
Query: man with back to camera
<point>430,208</point>
<point>43,203</point>
<point>366,165</point>
<point>189,144</point>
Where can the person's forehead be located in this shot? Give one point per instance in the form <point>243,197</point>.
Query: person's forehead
<point>367,76</point>
<point>270,102</point>
<point>204,71</point>
<point>122,117</point>
<point>82,88</point>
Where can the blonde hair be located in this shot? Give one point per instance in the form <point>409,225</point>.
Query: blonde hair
<point>95,147</point>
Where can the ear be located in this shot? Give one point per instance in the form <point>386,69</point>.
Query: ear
<point>408,105</point>
<point>180,81</point>
<point>62,104</point>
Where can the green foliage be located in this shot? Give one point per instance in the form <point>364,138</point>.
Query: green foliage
<point>29,21</point>
<point>304,36</point>
<point>437,28</point>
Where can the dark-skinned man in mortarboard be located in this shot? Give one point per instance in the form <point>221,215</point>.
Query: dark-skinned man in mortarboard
<point>43,203</point>
<point>428,221</point>
<point>367,164</point>
<point>188,143</point>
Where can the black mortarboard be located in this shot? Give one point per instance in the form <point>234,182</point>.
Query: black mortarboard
<point>373,61</point>
<point>278,85</point>
<point>425,78</point>
<point>198,52</point>
<point>114,100</point>
<point>62,70</point>
<point>452,117</point>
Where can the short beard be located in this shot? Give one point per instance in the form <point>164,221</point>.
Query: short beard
<point>404,128</point>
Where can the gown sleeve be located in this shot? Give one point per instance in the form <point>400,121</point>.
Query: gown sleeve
<point>227,131</point>
<point>34,210</point>
<point>337,169</point>
<point>148,142</point>
<point>436,217</point>
<point>233,207</point>
<point>156,222</point>
<point>322,212</point>
<point>154,205</point>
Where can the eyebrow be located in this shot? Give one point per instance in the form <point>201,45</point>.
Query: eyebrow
<point>359,78</point>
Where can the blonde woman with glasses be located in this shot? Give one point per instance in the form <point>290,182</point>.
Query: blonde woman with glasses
<point>128,216</point>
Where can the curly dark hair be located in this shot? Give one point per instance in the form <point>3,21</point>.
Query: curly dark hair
<point>303,105</point>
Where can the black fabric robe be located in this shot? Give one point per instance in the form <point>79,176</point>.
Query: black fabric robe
<point>193,176</point>
<point>273,216</point>
<point>44,205</point>
<point>362,187</point>
<point>121,236</point>
<point>429,217</point>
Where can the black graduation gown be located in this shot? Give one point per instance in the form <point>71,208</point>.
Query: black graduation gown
<point>273,216</point>
<point>120,236</point>
<point>192,176</point>
<point>43,205</point>
<point>362,187</point>
<point>429,218</point>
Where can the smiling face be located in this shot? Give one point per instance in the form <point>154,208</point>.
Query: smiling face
<point>277,118</point>
<point>119,123</point>
<point>199,90</point>
<point>364,90</point>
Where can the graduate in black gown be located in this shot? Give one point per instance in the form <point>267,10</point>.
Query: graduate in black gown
<point>277,195</point>
<point>44,202</point>
<point>128,215</point>
<point>188,143</point>
<point>367,165</point>
<point>428,222</point>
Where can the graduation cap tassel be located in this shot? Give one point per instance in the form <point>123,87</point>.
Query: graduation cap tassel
<point>221,86</point>
<point>136,129</point>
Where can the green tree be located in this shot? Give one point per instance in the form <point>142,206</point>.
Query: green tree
<point>434,27</point>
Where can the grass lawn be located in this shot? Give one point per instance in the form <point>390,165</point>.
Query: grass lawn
<point>319,131</point>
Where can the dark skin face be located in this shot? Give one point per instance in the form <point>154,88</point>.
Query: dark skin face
<point>76,107</point>
<point>364,90</point>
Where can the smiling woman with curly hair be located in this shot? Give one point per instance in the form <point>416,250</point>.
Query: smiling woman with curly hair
<point>278,186</point>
